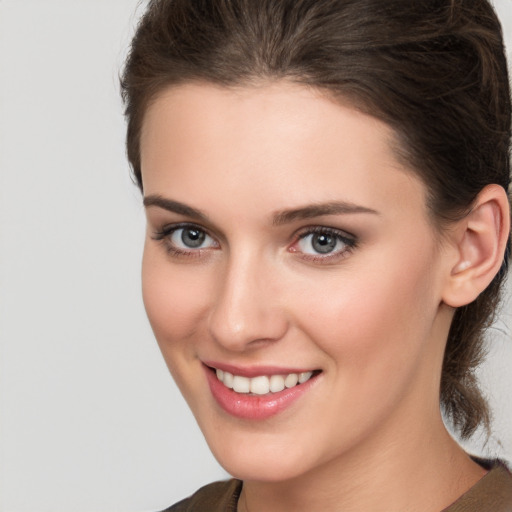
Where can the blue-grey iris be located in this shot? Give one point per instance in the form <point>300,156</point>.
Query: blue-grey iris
<point>193,237</point>
<point>323,243</point>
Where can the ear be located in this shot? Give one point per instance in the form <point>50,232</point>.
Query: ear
<point>480,241</point>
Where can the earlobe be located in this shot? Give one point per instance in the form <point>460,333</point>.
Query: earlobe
<point>481,241</point>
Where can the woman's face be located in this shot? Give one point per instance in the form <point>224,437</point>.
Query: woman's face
<point>285,241</point>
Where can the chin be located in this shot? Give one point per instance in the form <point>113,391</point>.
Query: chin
<point>267,469</point>
<point>263,460</point>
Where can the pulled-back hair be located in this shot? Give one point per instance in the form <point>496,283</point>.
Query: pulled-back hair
<point>434,71</point>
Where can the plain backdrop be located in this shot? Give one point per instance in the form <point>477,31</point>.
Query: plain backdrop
<point>90,420</point>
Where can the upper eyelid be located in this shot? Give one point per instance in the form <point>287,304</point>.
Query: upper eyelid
<point>307,230</point>
<point>167,229</point>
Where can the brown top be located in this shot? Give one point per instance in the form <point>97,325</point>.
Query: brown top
<point>493,493</point>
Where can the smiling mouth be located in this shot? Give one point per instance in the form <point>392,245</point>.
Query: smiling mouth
<point>262,384</point>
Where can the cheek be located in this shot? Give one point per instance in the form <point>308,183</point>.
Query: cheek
<point>174,298</point>
<point>375,332</point>
<point>374,320</point>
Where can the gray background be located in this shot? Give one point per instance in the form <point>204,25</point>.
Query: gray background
<point>89,418</point>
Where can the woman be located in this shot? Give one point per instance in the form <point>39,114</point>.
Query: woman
<point>328,229</point>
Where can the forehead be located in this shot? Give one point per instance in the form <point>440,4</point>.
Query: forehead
<point>277,141</point>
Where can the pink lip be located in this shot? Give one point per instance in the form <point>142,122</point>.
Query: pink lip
<point>255,407</point>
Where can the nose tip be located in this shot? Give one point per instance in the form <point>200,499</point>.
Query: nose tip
<point>246,311</point>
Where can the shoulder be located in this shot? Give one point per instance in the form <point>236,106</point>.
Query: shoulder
<point>493,493</point>
<point>215,497</point>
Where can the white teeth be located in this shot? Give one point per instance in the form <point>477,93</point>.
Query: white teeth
<point>304,376</point>
<point>262,384</point>
<point>228,379</point>
<point>291,380</point>
<point>276,383</point>
<point>241,384</point>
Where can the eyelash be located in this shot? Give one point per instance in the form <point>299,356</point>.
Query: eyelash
<point>350,242</point>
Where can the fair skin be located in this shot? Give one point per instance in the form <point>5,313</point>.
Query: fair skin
<point>364,301</point>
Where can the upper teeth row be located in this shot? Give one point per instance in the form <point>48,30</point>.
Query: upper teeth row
<point>262,385</point>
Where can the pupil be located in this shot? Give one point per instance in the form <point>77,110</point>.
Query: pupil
<point>323,243</point>
<point>192,237</point>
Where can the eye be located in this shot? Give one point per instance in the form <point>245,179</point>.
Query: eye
<point>185,239</point>
<point>324,242</point>
<point>191,237</point>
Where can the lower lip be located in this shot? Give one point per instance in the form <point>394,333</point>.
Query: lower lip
<point>254,407</point>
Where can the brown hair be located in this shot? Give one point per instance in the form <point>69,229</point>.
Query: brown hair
<point>434,71</point>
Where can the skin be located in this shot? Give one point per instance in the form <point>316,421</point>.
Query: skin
<point>368,434</point>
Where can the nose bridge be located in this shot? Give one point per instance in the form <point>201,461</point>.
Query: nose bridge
<point>246,307</point>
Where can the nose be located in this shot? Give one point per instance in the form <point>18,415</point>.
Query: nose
<point>246,307</point>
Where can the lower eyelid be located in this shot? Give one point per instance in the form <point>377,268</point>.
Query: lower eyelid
<point>176,251</point>
<point>328,257</point>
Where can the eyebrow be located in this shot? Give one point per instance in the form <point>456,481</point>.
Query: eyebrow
<point>174,206</point>
<point>317,210</point>
<point>278,219</point>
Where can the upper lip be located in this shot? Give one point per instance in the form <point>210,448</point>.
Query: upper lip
<point>255,371</point>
